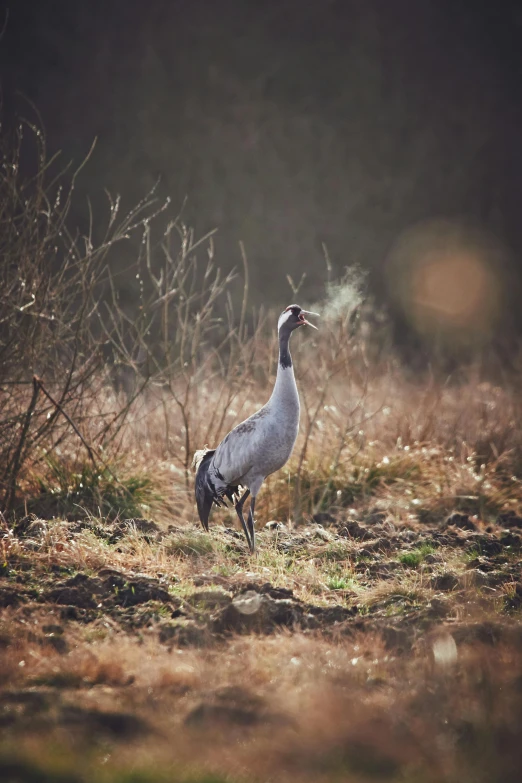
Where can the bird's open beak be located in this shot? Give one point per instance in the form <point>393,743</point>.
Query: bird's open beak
<point>305,322</point>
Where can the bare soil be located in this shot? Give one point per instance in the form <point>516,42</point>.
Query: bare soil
<point>399,641</point>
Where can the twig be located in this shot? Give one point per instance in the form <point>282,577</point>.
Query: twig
<point>17,458</point>
<point>93,455</point>
<point>245,291</point>
<point>90,451</point>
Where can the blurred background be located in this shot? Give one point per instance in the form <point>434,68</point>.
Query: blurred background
<point>384,134</point>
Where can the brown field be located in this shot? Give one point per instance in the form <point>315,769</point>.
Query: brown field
<point>375,635</point>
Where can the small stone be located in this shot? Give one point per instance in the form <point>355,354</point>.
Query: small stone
<point>320,532</point>
<point>248,603</point>
<point>275,525</point>
<point>444,650</point>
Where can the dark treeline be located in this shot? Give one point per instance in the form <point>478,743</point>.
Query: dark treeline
<point>288,125</point>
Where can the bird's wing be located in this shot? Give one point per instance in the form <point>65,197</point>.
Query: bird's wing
<point>239,450</point>
<point>205,494</point>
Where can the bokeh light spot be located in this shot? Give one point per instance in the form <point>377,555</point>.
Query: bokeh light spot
<point>453,288</point>
<point>448,281</point>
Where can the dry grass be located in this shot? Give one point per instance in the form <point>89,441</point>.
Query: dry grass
<point>288,706</point>
<point>413,452</point>
<point>375,641</point>
<point>415,674</point>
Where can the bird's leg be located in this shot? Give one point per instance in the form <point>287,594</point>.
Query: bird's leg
<point>239,512</point>
<point>251,524</point>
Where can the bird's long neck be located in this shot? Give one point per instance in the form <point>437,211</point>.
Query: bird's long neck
<point>285,389</point>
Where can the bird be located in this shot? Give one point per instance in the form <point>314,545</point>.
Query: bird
<point>256,447</point>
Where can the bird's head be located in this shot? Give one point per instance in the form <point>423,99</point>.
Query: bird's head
<point>293,317</point>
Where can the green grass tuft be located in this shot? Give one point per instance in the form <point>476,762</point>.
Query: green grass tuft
<point>67,491</point>
<point>415,557</point>
<point>338,582</point>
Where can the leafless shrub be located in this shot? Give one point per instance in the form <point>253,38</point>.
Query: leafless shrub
<point>65,335</point>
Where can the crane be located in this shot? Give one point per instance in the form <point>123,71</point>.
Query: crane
<point>256,447</point>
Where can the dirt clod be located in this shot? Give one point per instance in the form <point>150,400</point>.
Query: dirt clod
<point>445,581</point>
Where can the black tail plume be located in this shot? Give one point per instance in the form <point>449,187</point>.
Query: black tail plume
<point>205,494</point>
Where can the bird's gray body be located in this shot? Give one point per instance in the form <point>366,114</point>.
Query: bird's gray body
<point>258,446</point>
<point>261,444</point>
